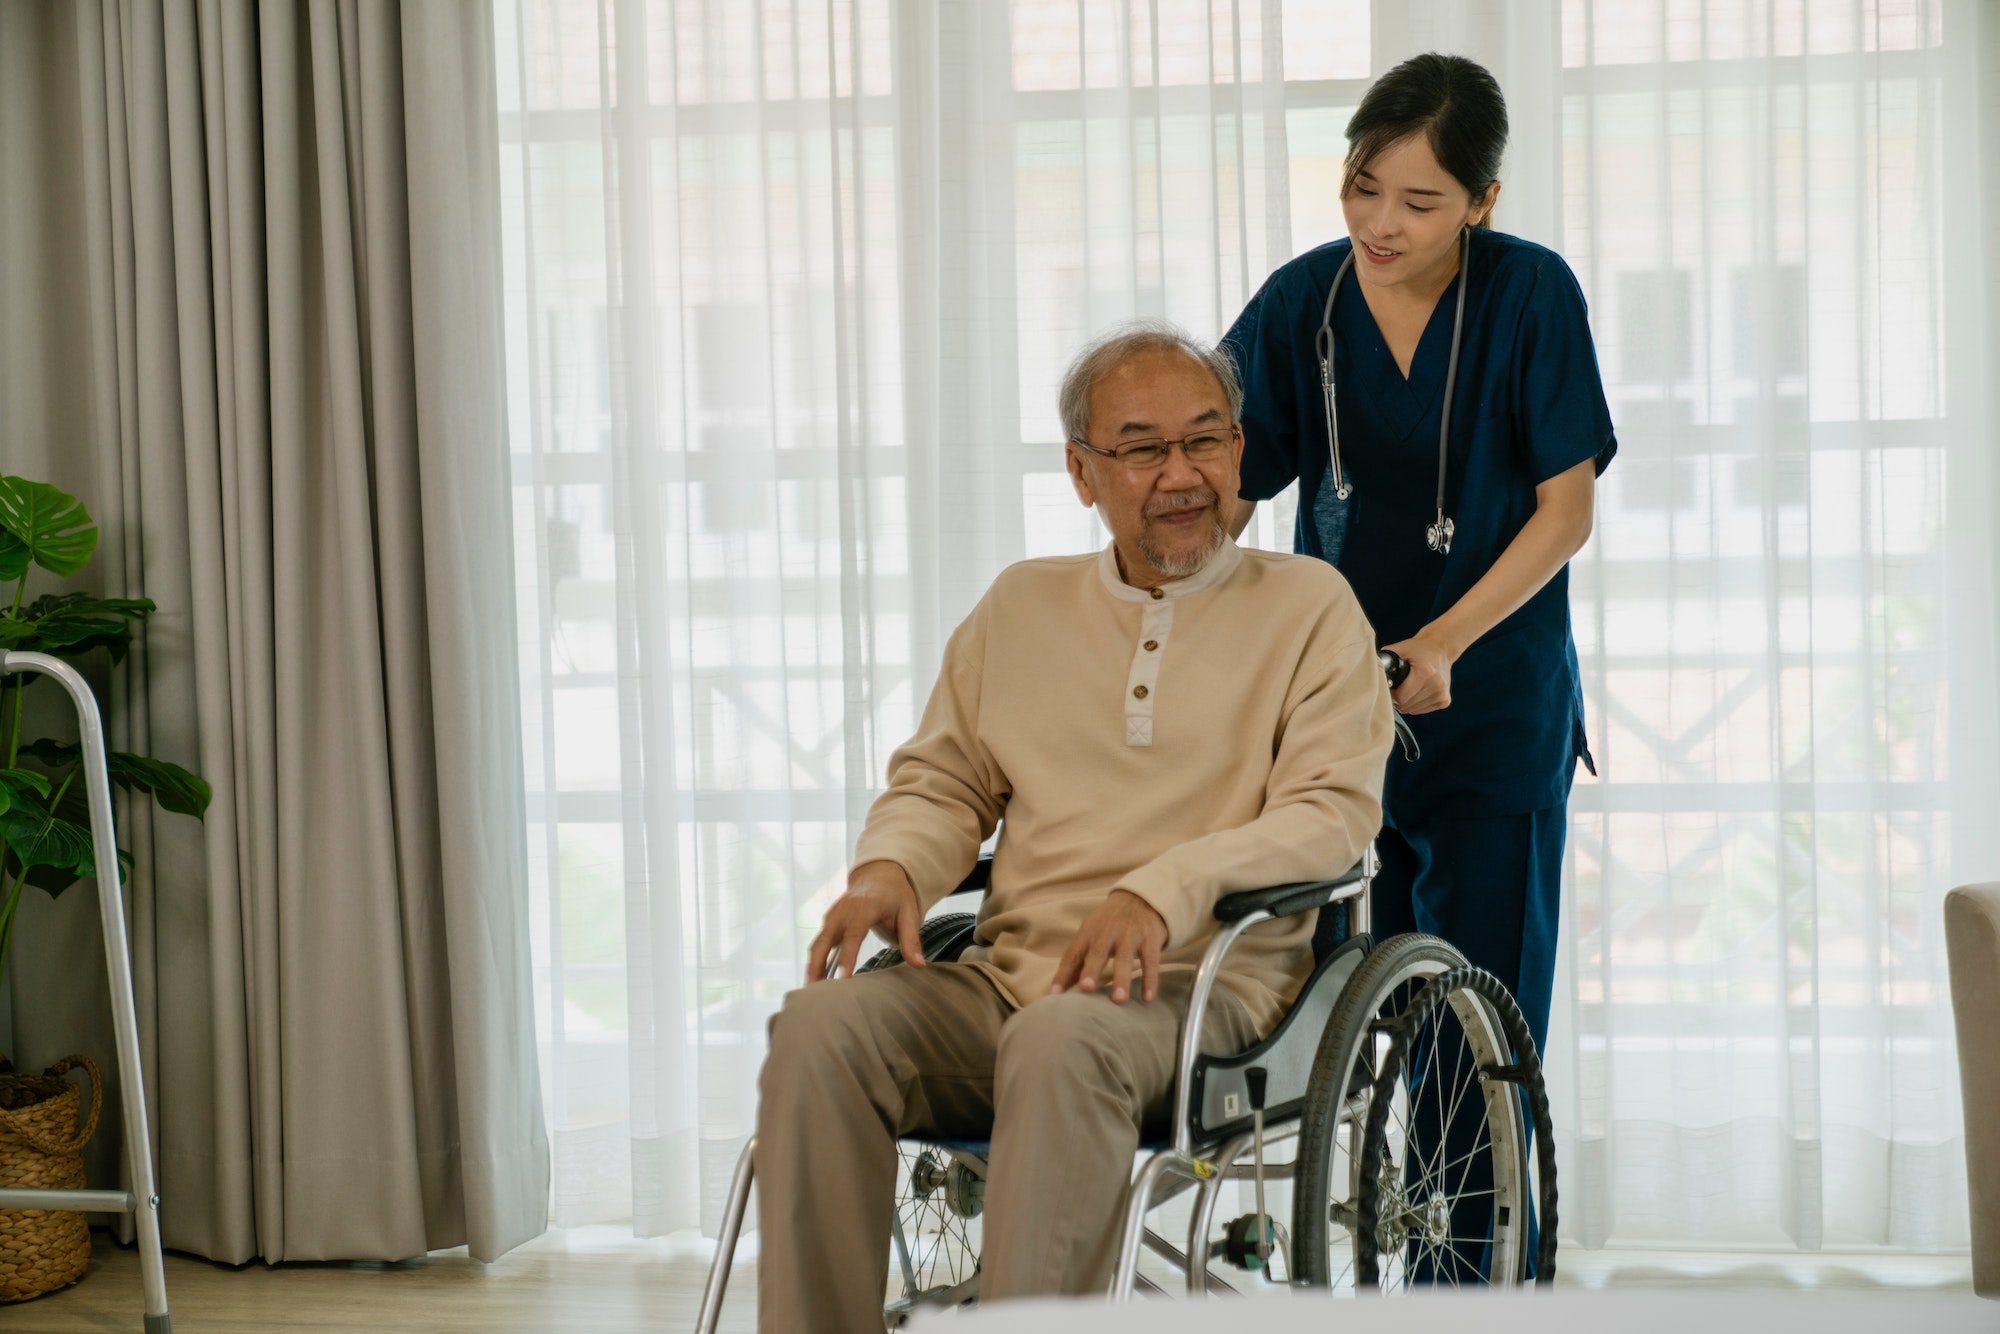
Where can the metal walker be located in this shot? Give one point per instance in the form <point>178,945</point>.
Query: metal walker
<point>143,1200</point>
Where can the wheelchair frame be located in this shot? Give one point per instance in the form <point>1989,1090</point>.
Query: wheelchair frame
<point>1182,1158</point>
<point>1203,1159</point>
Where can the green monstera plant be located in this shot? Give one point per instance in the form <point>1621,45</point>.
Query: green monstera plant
<point>45,834</point>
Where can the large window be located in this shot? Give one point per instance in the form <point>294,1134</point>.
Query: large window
<point>790,285</point>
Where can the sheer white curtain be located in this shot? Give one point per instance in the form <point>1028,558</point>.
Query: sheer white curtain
<point>790,286</point>
<point>1787,617</point>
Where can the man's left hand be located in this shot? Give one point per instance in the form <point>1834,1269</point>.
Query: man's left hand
<point>1126,929</point>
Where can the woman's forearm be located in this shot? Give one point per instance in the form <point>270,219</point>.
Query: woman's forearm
<point>1560,525</point>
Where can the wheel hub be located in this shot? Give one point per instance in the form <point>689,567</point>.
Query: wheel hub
<point>1437,1217</point>
<point>926,1174</point>
<point>964,1191</point>
<point>1394,1229</point>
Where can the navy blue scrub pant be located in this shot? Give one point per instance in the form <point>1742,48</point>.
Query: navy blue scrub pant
<point>1492,886</point>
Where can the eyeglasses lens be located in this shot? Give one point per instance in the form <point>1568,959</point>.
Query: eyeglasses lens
<point>1144,455</point>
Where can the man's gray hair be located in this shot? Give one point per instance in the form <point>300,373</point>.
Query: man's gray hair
<point>1109,350</point>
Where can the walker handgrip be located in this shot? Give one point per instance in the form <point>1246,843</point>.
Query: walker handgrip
<point>1394,666</point>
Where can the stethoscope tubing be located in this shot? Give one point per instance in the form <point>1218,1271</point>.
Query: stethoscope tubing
<point>1438,536</point>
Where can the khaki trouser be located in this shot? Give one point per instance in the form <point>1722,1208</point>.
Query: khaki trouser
<point>1062,1087</point>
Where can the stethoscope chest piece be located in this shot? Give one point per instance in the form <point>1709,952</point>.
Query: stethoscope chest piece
<point>1439,534</point>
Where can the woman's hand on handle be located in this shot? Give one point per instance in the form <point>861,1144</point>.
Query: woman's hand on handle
<point>1564,506</point>
<point>1428,686</point>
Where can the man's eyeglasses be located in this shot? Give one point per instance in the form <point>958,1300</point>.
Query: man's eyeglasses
<point>1145,455</point>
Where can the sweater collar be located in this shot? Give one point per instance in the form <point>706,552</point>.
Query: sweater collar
<point>1220,566</point>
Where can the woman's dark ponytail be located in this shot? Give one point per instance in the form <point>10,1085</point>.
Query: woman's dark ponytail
<point>1453,102</point>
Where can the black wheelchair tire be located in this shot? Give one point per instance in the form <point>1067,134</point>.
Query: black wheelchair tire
<point>1524,1071</point>
<point>944,938</point>
<point>1391,975</point>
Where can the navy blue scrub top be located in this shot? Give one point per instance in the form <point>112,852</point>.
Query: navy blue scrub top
<point>1529,404</point>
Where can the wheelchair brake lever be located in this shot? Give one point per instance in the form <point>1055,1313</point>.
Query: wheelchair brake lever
<point>1397,669</point>
<point>1407,738</point>
<point>1256,1077</point>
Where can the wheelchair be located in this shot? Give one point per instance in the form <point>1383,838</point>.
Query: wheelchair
<point>1404,1078</point>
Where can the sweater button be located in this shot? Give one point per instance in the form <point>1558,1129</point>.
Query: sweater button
<point>1158,593</point>
<point>1152,644</point>
<point>1138,692</point>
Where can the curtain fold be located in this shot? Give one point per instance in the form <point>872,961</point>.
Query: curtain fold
<point>290,251</point>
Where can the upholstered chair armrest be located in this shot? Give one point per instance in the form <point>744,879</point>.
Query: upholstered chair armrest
<point>1972,944</point>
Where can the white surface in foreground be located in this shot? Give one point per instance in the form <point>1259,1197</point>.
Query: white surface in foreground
<point>1633,1312</point>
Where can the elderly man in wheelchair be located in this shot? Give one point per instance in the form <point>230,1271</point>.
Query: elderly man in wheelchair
<point>1186,741</point>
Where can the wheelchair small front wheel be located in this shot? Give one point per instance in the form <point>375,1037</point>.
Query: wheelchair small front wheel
<point>1445,1194</point>
<point>1326,1189</point>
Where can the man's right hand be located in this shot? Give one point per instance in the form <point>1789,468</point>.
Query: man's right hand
<point>879,897</point>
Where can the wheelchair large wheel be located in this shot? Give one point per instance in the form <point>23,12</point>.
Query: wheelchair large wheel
<point>943,938</point>
<point>1327,1187</point>
<point>1444,1184</point>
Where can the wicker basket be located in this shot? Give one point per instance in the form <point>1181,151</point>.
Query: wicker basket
<point>41,1148</point>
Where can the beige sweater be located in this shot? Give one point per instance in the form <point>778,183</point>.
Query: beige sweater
<point>1226,732</point>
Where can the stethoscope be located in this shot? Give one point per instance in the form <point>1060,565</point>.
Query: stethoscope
<point>1439,534</point>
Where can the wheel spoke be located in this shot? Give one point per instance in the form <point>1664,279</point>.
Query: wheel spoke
<point>1464,1177</point>
<point>1458,1096</point>
<point>1438,1092</point>
<point>1484,1142</point>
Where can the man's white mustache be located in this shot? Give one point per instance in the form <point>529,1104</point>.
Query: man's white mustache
<point>1185,500</point>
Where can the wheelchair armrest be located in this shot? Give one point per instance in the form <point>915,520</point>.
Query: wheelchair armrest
<point>1285,900</point>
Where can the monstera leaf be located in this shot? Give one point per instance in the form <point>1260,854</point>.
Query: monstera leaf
<point>54,845</point>
<point>56,851</point>
<point>51,752</point>
<point>173,787</point>
<point>46,829</point>
<point>74,623</point>
<point>25,783</point>
<point>42,525</point>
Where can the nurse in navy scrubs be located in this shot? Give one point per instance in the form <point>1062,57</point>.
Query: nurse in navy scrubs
<point>1472,590</point>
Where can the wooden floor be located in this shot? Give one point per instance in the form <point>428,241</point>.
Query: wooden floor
<point>586,1280</point>
<point>602,1281</point>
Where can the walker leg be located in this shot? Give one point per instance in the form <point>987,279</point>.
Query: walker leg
<point>725,1243</point>
<point>152,1265</point>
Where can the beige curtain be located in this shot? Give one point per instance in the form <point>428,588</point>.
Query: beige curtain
<point>249,277</point>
